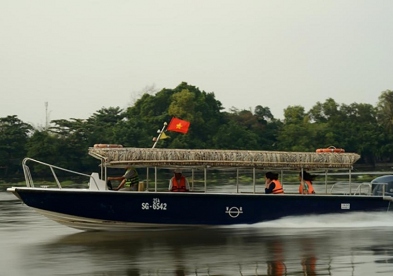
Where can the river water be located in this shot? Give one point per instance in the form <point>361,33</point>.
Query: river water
<point>355,244</point>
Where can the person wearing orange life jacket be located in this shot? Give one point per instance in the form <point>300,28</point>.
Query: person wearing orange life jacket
<point>305,186</point>
<point>178,183</point>
<point>272,184</point>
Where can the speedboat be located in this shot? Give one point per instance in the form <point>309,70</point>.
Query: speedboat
<point>95,207</point>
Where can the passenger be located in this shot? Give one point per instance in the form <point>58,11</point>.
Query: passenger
<point>178,183</point>
<point>130,177</point>
<point>305,186</point>
<point>308,265</point>
<point>272,184</point>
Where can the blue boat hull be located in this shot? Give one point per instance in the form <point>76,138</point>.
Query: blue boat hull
<point>164,208</point>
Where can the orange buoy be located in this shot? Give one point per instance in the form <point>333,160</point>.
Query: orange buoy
<point>330,149</point>
<point>108,146</point>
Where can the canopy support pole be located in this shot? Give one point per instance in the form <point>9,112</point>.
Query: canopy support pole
<point>253,179</point>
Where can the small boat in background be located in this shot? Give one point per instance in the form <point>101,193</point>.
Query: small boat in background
<point>95,207</point>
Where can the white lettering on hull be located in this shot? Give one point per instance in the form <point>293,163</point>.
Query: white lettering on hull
<point>155,205</point>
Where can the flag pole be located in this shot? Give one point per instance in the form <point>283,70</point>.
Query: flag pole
<point>159,135</point>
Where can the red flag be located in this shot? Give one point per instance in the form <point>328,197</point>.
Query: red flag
<point>178,125</point>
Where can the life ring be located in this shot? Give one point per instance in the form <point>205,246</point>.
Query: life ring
<point>330,149</point>
<point>108,146</point>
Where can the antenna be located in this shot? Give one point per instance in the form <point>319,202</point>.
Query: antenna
<point>46,116</point>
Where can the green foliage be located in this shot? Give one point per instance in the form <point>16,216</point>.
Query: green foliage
<point>296,128</point>
<point>13,138</point>
<point>385,121</point>
<point>357,127</point>
<point>235,136</point>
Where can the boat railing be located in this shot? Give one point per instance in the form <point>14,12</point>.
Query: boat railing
<point>352,186</point>
<point>362,185</point>
<point>29,179</point>
<point>359,187</point>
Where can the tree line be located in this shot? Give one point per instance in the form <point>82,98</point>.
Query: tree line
<point>358,127</point>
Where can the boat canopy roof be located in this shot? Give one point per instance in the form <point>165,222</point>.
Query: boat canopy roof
<point>158,157</point>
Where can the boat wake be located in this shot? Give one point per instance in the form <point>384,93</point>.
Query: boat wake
<point>352,220</point>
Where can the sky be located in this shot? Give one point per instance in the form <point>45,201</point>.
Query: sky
<point>62,59</point>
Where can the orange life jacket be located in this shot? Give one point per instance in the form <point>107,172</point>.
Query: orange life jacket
<point>276,268</point>
<point>179,185</point>
<point>310,188</point>
<point>278,188</point>
<point>308,265</point>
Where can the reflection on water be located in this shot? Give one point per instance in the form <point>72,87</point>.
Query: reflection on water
<point>212,252</point>
<point>33,245</point>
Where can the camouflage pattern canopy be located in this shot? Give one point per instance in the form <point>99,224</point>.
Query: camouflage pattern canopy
<point>157,157</point>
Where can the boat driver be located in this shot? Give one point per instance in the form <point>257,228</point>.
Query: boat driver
<point>130,178</point>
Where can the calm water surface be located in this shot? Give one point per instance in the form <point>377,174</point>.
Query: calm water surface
<point>356,244</point>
